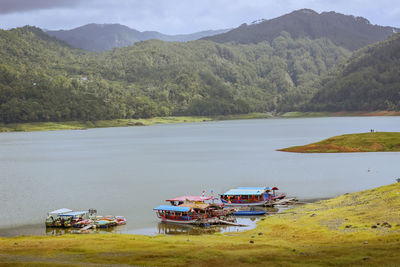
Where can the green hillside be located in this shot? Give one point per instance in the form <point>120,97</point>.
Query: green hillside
<point>369,80</point>
<point>43,79</point>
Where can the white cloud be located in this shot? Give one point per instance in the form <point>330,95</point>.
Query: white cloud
<point>181,16</point>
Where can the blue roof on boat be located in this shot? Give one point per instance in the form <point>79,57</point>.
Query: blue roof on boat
<point>74,213</point>
<point>254,188</point>
<point>246,191</point>
<point>172,208</point>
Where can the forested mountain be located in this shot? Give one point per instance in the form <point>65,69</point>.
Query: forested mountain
<point>347,31</point>
<point>43,79</point>
<point>102,37</point>
<point>369,80</point>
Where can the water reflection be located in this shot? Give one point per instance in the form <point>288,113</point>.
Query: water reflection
<point>181,229</point>
<point>177,229</point>
<point>160,228</point>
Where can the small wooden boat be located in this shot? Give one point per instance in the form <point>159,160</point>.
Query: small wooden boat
<point>83,223</point>
<point>120,220</point>
<point>102,223</point>
<point>276,196</point>
<point>249,212</point>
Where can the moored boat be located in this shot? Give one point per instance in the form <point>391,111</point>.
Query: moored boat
<point>249,212</point>
<point>120,220</point>
<point>176,214</point>
<point>66,218</point>
<point>193,213</point>
<point>53,217</point>
<point>247,196</point>
<point>275,195</point>
<point>102,223</point>
<point>251,196</point>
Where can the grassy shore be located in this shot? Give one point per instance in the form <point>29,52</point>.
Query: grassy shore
<point>353,229</point>
<point>364,142</point>
<point>297,114</point>
<point>80,125</point>
<point>77,125</point>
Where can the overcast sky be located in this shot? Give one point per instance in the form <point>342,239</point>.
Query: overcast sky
<point>180,16</point>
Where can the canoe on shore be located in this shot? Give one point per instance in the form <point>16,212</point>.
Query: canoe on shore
<point>249,212</point>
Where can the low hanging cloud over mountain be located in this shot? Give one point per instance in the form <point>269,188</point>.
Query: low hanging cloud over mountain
<point>179,16</point>
<point>13,6</point>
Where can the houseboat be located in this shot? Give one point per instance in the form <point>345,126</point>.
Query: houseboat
<point>68,219</point>
<point>194,213</point>
<point>248,196</point>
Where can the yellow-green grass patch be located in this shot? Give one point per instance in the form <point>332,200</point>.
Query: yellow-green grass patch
<point>364,142</point>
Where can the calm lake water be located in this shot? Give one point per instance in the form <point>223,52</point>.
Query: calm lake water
<point>129,171</point>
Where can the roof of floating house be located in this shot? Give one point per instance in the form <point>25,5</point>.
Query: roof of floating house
<point>59,211</point>
<point>247,191</point>
<point>74,213</point>
<point>189,198</point>
<point>254,188</point>
<point>173,208</point>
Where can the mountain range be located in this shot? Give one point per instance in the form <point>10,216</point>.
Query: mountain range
<point>343,30</point>
<point>102,37</point>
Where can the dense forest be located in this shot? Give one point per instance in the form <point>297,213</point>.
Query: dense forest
<point>369,80</point>
<point>43,79</point>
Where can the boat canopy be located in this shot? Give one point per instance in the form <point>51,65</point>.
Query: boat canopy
<point>74,213</point>
<point>200,206</point>
<point>189,198</point>
<point>173,208</point>
<point>246,191</point>
<point>255,188</point>
<point>59,211</point>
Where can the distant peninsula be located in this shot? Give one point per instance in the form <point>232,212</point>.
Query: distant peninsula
<point>363,142</point>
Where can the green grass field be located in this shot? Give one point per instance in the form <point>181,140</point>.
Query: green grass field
<point>80,125</point>
<point>77,125</point>
<point>364,142</point>
<point>297,114</point>
<point>358,229</point>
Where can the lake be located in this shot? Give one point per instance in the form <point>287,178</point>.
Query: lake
<point>130,170</point>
